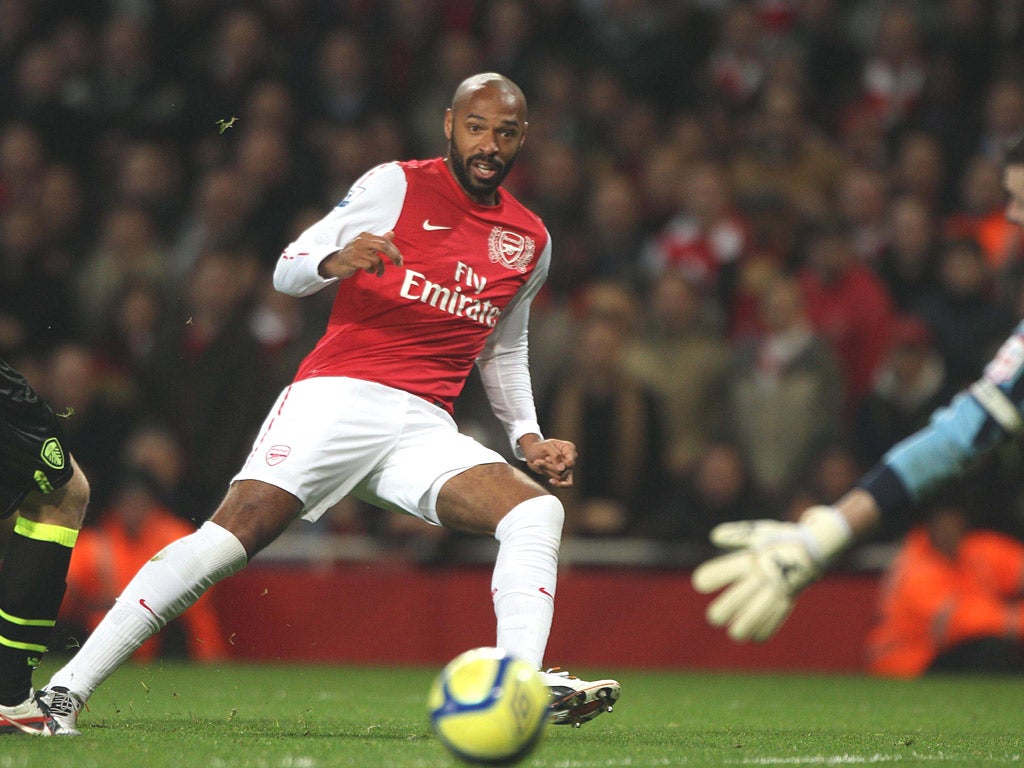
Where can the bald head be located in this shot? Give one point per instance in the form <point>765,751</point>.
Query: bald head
<point>510,93</point>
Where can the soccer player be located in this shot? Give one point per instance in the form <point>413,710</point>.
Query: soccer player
<point>43,484</point>
<point>435,267</point>
<point>773,561</point>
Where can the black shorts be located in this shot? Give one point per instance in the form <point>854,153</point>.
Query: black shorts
<point>32,452</point>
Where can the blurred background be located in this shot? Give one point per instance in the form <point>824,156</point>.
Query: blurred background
<point>777,226</point>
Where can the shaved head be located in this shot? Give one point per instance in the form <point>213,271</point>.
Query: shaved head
<point>475,83</point>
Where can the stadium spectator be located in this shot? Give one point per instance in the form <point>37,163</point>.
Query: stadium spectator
<point>242,52</point>
<point>978,215</point>
<point>966,321</point>
<point>779,151</point>
<point>129,93</point>
<point>207,374</point>
<point>894,73</point>
<point>848,305</point>
<point>830,60</point>
<point>268,172</point>
<point>952,601</point>
<point>218,218</point>
<point>149,175</point>
<point>1003,116</point>
<point>706,240</point>
<point>455,56</point>
<point>344,89</point>
<point>613,228</point>
<point>68,215</point>
<point>908,385</point>
<point>717,489</point>
<point>36,305</point>
<point>863,201</point>
<point>682,354</point>
<point>95,420</point>
<point>830,473</point>
<point>506,35</point>
<point>780,393</point>
<point>738,63</point>
<point>611,415</point>
<point>39,98</point>
<point>909,263</point>
<point>285,327</point>
<point>23,160</point>
<point>155,451</point>
<point>129,250</point>
<point>920,169</point>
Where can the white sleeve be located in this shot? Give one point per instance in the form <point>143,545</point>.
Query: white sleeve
<point>373,205</point>
<point>504,362</point>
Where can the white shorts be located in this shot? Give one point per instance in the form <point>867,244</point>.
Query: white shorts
<point>329,437</point>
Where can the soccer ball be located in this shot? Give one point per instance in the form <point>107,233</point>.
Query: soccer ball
<point>489,707</point>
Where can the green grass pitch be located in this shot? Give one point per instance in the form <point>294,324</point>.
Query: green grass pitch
<point>175,715</point>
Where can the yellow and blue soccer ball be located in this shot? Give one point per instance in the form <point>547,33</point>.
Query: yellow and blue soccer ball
<point>489,707</point>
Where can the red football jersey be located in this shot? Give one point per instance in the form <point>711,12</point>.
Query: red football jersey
<point>469,270</point>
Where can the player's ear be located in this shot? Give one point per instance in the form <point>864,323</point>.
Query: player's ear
<point>449,122</point>
<point>522,138</point>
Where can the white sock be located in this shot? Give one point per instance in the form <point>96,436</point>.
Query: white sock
<point>525,572</point>
<point>164,587</point>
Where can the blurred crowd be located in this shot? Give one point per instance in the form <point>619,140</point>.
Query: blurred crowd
<point>777,226</point>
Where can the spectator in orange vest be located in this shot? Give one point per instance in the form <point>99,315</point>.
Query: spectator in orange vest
<point>127,534</point>
<point>953,601</point>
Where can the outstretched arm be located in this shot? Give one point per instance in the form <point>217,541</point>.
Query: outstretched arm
<point>770,562</point>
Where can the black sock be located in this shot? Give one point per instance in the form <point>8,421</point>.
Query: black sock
<point>33,579</point>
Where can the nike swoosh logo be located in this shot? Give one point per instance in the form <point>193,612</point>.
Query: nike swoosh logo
<point>142,602</point>
<point>432,227</point>
<point>544,591</point>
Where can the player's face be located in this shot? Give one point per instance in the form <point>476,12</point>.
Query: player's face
<point>485,132</point>
<point>1013,183</point>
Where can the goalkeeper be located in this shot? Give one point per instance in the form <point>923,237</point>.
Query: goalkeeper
<point>770,562</point>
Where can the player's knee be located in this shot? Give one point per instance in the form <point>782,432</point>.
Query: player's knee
<point>543,515</point>
<point>256,513</point>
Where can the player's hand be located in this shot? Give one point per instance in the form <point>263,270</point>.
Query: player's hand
<point>367,252</point>
<point>770,563</point>
<point>552,458</point>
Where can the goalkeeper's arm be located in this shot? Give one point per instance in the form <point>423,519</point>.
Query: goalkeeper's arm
<point>771,562</point>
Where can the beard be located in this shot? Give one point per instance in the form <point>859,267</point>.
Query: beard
<point>460,165</point>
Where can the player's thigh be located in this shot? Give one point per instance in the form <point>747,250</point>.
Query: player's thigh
<point>430,451</point>
<point>477,499</point>
<point>322,437</point>
<point>35,467</point>
<point>64,506</point>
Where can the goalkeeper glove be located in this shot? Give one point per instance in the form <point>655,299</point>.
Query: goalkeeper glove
<point>770,564</point>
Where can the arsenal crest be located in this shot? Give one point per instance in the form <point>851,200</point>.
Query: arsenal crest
<point>510,249</point>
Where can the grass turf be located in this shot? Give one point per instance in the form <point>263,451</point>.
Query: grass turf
<point>175,715</point>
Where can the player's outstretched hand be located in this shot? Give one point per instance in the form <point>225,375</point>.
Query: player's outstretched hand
<point>367,252</point>
<point>770,563</point>
<point>555,459</point>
